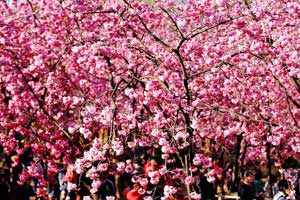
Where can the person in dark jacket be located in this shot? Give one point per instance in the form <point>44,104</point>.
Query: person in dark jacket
<point>3,187</point>
<point>207,189</point>
<point>259,186</point>
<point>247,190</point>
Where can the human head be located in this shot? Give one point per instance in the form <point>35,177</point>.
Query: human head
<point>284,186</point>
<point>155,162</point>
<point>273,178</point>
<point>249,176</point>
<point>258,175</point>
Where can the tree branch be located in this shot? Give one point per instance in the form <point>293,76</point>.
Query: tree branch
<point>207,70</point>
<point>214,26</point>
<point>185,76</point>
<point>249,8</point>
<point>227,111</point>
<point>33,13</point>
<point>296,83</point>
<point>286,92</point>
<point>174,22</point>
<point>156,38</point>
<point>41,106</point>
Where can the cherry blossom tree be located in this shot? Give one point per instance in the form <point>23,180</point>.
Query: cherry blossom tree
<point>165,76</point>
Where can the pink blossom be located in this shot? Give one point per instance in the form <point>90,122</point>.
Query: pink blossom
<point>129,168</point>
<point>153,174</point>
<point>72,186</point>
<point>154,181</point>
<point>189,180</point>
<point>165,149</point>
<point>96,184</point>
<point>195,195</point>
<point>211,179</point>
<point>92,173</point>
<point>121,166</point>
<point>193,169</point>
<point>135,179</point>
<point>163,142</point>
<point>24,176</point>
<point>106,147</point>
<point>85,132</point>
<point>143,181</point>
<point>169,190</point>
<point>163,171</point>
<point>102,167</point>
<point>41,191</point>
<point>93,190</point>
<point>180,135</point>
<point>197,160</point>
<point>118,147</point>
<point>165,156</point>
<point>156,133</point>
<point>83,83</point>
<point>141,191</point>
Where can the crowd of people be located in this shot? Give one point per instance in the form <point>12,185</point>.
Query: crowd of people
<point>252,187</point>
<point>122,186</point>
<point>140,181</point>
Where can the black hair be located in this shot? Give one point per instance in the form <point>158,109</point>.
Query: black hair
<point>283,184</point>
<point>157,159</point>
<point>273,178</point>
<point>138,161</point>
<point>258,175</point>
<point>248,173</point>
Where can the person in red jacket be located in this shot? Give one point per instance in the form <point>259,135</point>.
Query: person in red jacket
<point>151,166</point>
<point>134,194</point>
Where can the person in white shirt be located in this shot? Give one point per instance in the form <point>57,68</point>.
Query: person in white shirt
<point>284,190</point>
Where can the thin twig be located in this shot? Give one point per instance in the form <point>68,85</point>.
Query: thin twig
<point>174,22</point>
<point>156,38</point>
<point>207,70</point>
<point>214,26</point>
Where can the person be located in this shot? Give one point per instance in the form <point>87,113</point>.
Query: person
<point>133,194</point>
<point>207,187</point>
<point>297,186</point>
<point>259,186</point>
<point>70,178</point>
<point>271,186</point>
<point>62,184</point>
<point>153,165</point>
<point>284,190</point>
<point>247,190</point>
<point>107,188</point>
<point>4,189</point>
